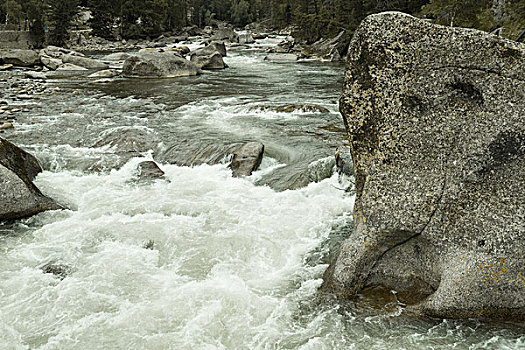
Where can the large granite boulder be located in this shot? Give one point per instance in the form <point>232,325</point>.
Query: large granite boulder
<point>158,65</point>
<point>436,121</point>
<point>23,58</point>
<point>19,197</point>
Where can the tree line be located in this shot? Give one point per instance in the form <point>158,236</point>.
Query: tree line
<point>310,19</point>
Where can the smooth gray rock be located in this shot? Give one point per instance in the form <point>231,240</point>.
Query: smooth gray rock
<point>19,197</point>
<point>213,61</point>
<point>158,65</point>
<point>36,75</point>
<point>116,57</point>
<point>436,120</point>
<point>246,39</point>
<point>149,170</point>
<point>225,34</point>
<point>106,73</point>
<point>246,159</point>
<point>50,62</point>
<point>70,67</point>
<point>88,63</point>
<point>23,58</point>
<point>211,48</point>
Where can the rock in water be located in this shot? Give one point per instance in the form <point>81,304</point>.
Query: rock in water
<point>24,58</point>
<point>19,197</point>
<point>246,39</point>
<point>213,61</point>
<point>246,159</point>
<point>149,170</point>
<point>158,65</point>
<point>88,63</point>
<point>436,119</point>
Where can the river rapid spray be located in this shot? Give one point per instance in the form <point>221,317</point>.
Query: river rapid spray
<point>199,260</point>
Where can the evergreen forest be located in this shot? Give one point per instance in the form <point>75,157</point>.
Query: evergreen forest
<point>310,20</point>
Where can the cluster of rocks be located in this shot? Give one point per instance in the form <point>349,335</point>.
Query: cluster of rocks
<point>170,62</point>
<point>129,142</point>
<point>51,58</point>
<point>289,50</point>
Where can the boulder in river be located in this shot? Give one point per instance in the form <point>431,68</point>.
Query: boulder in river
<point>246,39</point>
<point>436,120</point>
<point>22,58</point>
<point>225,34</point>
<point>213,61</point>
<point>246,159</point>
<point>158,65</point>
<point>50,62</point>
<point>70,67</point>
<point>88,63</point>
<point>149,170</point>
<point>211,48</point>
<point>19,197</point>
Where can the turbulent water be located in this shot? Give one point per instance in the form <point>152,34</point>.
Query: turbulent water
<point>199,260</point>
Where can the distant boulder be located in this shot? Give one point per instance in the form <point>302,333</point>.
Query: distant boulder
<point>246,39</point>
<point>225,34</point>
<point>213,61</point>
<point>88,63</point>
<point>21,58</point>
<point>158,65</point>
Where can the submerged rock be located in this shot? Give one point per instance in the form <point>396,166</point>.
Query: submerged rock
<point>292,108</point>
<point>436,119</point>
<point>246,159</point>
<point>158,65</point>
<point>281,57</point>
<point>59,270</point>
<point>19,197</point>
<point>129,141</point>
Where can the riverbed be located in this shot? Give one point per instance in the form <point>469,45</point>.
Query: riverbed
<point>199,260</point>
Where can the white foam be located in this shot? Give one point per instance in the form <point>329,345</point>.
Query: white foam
<point>224,254</point>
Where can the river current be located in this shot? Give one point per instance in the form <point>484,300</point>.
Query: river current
<point>200,260</point>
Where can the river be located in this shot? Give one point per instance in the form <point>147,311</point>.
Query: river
<point>200,260</point>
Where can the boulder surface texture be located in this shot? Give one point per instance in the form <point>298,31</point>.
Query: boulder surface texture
<point>436,121</point>
<point>19,197</point>
<point>158,65</point>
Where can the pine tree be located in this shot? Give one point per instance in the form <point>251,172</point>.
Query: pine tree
<point>61,13</point>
